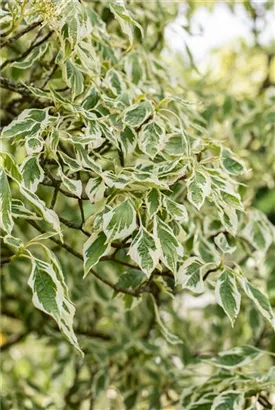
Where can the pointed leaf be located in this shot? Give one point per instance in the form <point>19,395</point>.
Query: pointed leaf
<point>227,294</point>
<point>143,251</point>
<point>120,221</point>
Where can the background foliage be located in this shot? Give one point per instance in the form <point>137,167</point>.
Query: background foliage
<point>153,178</point>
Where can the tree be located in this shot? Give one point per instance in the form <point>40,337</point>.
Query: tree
<point>120,206</point>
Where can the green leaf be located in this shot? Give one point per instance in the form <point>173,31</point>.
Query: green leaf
<point>169,337</point>
<point>202,404</point>
<point>32,172</point>
<point>153,201</point>
<point>167,244</point>
<point>259,298</point>
<point>95,189</point>
<point>19,210</point>
<point>190,275</point>
<point>131,279</point>
<point>231,163</point>
<point>128,140</point>
<point>151,139</point>
<point>143,251</point>
<point>73,78</point>
<point>6,220</point>
<point>50,296</point>
<point>93,249</point>
<point>198,188</point>
<point>48,214</point>
<point>176,145</point>
<point>120,221</point>
<point>13,241</point>
<point>176,210</point>
<point>74,186</point>
<point>258,231</point>
<point>125,20</point>
<point>31,58</point>
<point>228,400</point>
<point>28,123</point>
<point>223,244</point>
<point>227,294</point>
<point>237,357</point>
<point>134,68</point>
<point>114,82</point>
<point>229,218</point>
<point>137,114</point>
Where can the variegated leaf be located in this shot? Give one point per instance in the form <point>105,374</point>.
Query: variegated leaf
<point>143,251</point>
<point>227,294</point>
<point>167,244</point>
<point>120,221</point>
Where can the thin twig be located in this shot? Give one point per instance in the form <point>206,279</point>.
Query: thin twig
<point>16,36</point>
<point>27,52</point>
<point>93,272</point>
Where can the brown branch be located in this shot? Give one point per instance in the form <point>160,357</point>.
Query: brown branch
<point>21,33</point>
<point>205,276</point>
<point>5,261</point>
<point>15,87</point>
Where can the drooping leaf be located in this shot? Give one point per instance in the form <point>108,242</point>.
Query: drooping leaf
<point>228,400</point>
<point>176,210</point>
<point>198,188</point>
<point>93,249</point>
<point>231,163</point>
<point>190,275</point>
<point>167,244</point>
<point>31,58</point>
<point>259,298</point>
<point>222,243</point>
<point>237,357</point>
<point>143,251</point>
<point>137,114</point>
<point>153,201</point>
<point>32,172</point>
<point>151,139</point>
<point>5,203</point>
<point>227,294</point>
<point>50,296</point>
<point>125,20</point>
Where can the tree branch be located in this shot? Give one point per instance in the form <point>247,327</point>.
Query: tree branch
<point>78,255</point>
<point>21,33</point>
<point>27,52</point>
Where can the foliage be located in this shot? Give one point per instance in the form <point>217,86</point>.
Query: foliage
<point>105,162</point>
